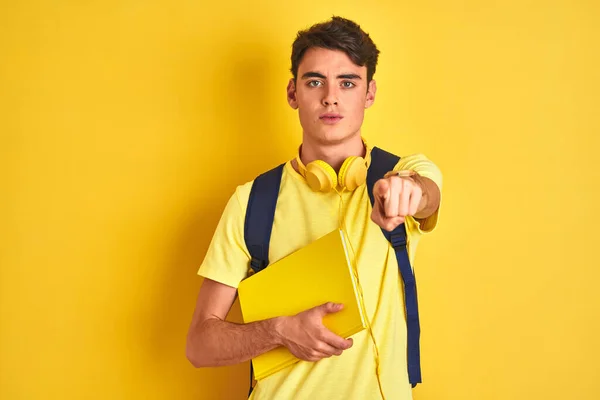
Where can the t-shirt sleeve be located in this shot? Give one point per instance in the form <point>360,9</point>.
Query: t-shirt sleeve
<point>426,168</point>
<point>227,258</point>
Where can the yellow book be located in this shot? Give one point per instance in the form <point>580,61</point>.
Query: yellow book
<point>311,276</point>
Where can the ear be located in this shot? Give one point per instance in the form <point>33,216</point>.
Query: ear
<point>371,93</point>
<point>291,94</point>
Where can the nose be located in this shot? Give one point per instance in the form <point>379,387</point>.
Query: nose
<point>330,97</point>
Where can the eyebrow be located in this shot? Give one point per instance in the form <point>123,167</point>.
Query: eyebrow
<point>313,74</point>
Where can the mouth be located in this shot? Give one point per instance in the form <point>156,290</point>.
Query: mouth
<point>330,118</point>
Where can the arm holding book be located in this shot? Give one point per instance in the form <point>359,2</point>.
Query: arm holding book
<point>212,341</point>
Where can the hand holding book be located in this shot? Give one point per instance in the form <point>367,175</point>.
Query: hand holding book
<point>307,338</point>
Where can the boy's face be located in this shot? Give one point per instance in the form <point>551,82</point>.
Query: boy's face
<point>330,95</point>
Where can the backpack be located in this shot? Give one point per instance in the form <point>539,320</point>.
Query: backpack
<point>258,225</point>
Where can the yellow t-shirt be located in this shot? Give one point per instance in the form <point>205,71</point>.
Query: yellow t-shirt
<point>301,217</point>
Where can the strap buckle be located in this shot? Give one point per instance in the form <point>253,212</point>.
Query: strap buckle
<point>257,264</point>
<point>398,241</point>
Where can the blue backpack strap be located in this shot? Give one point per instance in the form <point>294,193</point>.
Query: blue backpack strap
<point>258,224</point>
<point>382,162</point>
<point>259,216</point>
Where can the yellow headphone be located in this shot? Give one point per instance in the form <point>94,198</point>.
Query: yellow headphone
<point>321,177</point>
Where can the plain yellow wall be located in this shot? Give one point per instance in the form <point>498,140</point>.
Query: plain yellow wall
<point>126,125</point>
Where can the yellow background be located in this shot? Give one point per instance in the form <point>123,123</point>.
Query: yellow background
<point>126,125</point>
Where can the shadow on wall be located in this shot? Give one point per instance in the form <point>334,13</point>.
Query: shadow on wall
<point>246,148</point>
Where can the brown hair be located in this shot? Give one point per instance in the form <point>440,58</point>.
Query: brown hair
<point>337,34</point>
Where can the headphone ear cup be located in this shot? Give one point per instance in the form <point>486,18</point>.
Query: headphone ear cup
<point>320,176</point>
<point>353,172</point>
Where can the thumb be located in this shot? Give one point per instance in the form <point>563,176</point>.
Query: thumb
<point>329,308</point>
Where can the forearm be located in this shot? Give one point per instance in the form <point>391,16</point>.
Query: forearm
<point>431,197</point>
<point>216,342</point>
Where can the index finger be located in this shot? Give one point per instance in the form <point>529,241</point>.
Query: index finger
<point>381,190</point>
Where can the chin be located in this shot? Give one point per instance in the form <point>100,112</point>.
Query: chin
<point>333,136</point>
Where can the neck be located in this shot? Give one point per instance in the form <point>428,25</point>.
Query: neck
<point>334,153</point>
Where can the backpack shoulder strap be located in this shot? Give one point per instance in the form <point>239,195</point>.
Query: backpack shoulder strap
<point>258,224</point>
<point>382,162</point>
<point>259,216</point>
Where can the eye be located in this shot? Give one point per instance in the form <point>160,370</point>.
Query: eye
<point>315,83</point>
<point>348,84</point>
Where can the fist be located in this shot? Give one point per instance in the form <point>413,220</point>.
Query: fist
<point>396,197</point>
